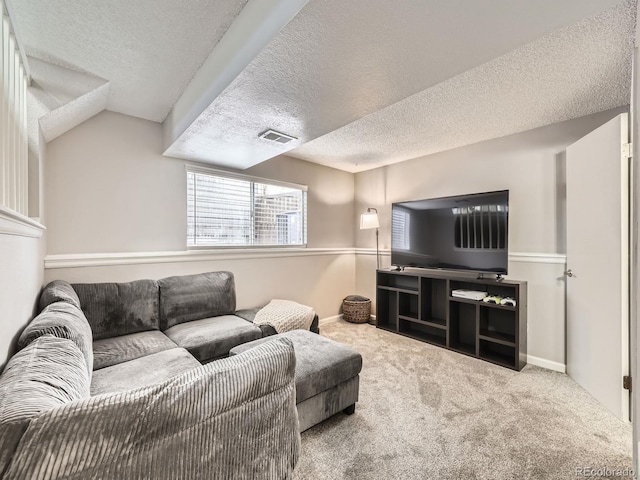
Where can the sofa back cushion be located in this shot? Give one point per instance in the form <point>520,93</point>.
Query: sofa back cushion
<point>193,297</point>
<point>58,291</point>
<point>47,373</point>
<point>115,309</point>
<point>62,320</point>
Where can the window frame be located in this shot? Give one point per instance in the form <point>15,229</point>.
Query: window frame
<point>199,169</point>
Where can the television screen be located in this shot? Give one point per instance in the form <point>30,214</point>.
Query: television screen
<point>466,232</point>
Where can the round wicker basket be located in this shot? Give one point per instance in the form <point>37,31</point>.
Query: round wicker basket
<point>356,309</point>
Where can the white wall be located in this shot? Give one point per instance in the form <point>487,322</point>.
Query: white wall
<point>524,163</point>
<point>530,165</point>
<point>330,198</point>
<point>21,277</point>
<point>109,190</point>
<point>319,280</point>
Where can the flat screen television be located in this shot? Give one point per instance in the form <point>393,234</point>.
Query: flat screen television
<point>465,232</point>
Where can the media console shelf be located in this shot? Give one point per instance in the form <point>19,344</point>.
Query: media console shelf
<point>418,304</point>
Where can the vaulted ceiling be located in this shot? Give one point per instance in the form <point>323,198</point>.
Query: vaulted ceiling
<point>358,83</point>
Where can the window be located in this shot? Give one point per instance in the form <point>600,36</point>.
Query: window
<point>13,121</point>
<point>481,227</point>
<point>226,210</point>
<point>400,230</point>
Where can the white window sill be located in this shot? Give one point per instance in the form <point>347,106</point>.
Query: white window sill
<point>14,223</point>
<point>246,248</point>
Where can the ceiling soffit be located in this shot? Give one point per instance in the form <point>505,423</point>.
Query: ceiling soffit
<point>148,50</point>
<point>358,85</point>
<point>336,63</point>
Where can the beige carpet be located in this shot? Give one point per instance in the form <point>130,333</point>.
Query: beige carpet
<point>427,413</point>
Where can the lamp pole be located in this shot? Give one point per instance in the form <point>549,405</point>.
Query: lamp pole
<point>377,250</point>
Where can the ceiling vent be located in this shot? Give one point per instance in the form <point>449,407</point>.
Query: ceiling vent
<point>274,136</point>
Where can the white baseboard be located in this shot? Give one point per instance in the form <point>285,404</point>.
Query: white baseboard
<point>326,320</point>
<point>335,318</point>
<point>548,364</point>
<point>532,360</point>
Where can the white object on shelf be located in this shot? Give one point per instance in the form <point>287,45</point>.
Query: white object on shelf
<point>469,294</point>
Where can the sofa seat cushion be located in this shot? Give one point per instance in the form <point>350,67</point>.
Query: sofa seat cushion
<point>115,309</point>
<point>321,363</point>
<point>193,297</point>
<point>63,320</point>
<point>48,373</point>
<point>212,338</point>
<point>111,351</point>
<point>142,372</point>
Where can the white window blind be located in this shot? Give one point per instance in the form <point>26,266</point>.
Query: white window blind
<point>400,230</point>
<point>13,122</point>
<point>234,211</point>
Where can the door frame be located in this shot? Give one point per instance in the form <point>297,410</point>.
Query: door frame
<point>634,253</point>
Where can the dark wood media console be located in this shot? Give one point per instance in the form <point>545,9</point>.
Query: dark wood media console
<point>418,304</point>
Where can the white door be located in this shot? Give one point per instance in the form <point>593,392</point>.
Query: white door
<point>598,264</point>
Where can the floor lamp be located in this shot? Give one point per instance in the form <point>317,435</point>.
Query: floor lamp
<point>370,220</point>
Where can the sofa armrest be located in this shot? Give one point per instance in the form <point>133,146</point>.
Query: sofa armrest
<point>233,418</point>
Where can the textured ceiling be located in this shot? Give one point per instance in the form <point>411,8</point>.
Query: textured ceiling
<point>148,49</point>
<point>359,83</point>
<point>575,71</point>
<point>337,62</point>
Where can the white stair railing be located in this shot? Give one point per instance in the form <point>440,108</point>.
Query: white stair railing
<point>14,179</point>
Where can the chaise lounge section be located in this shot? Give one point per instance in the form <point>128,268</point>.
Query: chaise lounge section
<point>327,375</point>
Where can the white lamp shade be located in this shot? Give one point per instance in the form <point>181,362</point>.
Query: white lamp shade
<point>369,220</point>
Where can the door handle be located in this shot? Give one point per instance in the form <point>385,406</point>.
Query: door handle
<point>569,273</point>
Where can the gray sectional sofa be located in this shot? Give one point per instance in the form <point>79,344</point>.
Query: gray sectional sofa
<point>148,331</point>
<point>117,381</point>
<point>164,380</point>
